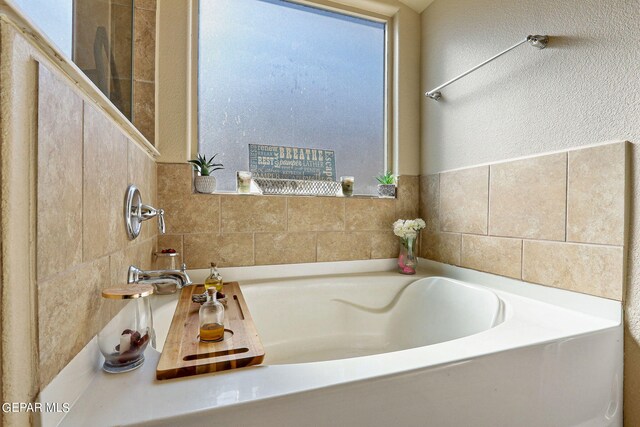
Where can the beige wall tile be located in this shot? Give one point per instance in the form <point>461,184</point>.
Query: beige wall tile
<point>142,173</point>
<point>140,254</point>
<point>496,255</point>
<point>285,248</point>
<point>70,312</point>
<point>174,180</point>
<point>464,199</point>
<point>146,4</point>
<point>408,197</point>
<point>385,244</point>
<point>253,213</point>
<point>341,246</point>
<point>441,247</point>
<point>528,198</point>
<point>144,48</point>
<point>194,213</point>
<point>144,108</point>
<point>596,194</point>
<point>227,250</point>
<point>184,210</point>
<point>105,183</point>
<point>430,202</point>
<point>173,241</point>
<point>370,214</point>
<point>590,269</point>
<point>315,213</point>
<point>59,216</point>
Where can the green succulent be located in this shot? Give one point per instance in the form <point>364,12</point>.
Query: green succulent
<point>386,179</point>
<point>203,166</point>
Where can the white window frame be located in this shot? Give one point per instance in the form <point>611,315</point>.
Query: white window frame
<point>389,142</point>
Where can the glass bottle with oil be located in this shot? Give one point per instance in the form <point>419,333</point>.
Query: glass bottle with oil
<point>214,280</point>
<point>211,318</point>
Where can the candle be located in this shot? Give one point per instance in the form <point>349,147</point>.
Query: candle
<point>243,181</point>
<point>125,343</point>
<point>347,185</point>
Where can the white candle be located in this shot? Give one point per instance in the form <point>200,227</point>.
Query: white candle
<point>125,343</point>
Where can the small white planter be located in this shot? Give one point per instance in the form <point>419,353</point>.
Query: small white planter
<point>387,190</point>
<point>205,184</point>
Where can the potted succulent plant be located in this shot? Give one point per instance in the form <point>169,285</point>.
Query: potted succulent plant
<point>204,182</point>
<point>387,185</point>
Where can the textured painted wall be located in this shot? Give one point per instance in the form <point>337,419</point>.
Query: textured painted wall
<point>584,88</point>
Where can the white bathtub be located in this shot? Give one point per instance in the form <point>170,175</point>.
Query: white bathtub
<point>378,348</point>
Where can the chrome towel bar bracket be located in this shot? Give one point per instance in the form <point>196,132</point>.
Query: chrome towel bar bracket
<point>537,41</point>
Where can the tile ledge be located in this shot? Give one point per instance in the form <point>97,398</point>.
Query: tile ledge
<point>231,193</point>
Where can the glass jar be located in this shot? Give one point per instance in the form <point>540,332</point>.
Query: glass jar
<point>243,182</point>
<point>347,185</point>
<point>211,318</point>
<point>214,280</point>
<point>166,260</point>
<point>125,338</point>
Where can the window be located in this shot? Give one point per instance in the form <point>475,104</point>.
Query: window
<point>54,18</point>
<point>279,73</point>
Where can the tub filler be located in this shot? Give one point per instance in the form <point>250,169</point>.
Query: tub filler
<point>364,346</point>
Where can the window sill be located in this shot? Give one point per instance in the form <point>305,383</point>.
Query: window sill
<point>255,193</point>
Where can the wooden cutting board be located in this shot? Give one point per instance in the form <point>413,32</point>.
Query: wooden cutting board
<point>184,354</point>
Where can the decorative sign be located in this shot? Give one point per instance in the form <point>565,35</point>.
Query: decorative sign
<point>310,164</point>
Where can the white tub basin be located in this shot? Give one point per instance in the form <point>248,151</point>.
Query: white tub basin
<point>312,320</point>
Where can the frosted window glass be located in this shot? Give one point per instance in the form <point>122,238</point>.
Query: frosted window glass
<point>54,18</point>
<point>278,73</point>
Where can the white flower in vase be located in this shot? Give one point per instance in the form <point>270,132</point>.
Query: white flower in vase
<point>407,230</point>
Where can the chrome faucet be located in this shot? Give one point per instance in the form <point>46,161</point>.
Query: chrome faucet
<point>164,281</point>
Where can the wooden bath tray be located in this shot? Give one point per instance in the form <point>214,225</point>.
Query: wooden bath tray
<point>184,355</point>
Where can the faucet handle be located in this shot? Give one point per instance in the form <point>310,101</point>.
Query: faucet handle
<point>161,224</point>
<point>133,275</point>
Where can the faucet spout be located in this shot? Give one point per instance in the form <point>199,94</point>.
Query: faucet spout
<point>180,277</point>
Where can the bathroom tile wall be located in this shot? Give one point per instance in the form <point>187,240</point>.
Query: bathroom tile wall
<point>85,163</point>
<point>556,220</point>
<point>240,230</point>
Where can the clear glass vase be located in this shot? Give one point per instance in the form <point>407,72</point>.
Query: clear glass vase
<point>407,261</point>
<point>124,339</point>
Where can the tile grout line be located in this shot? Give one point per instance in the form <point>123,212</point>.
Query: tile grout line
<point>316,246</point>
<point>219,215</point>
<point>566,198</point>
<point>521,258</point>
<point>489,202</point>
<point>439,227</point>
